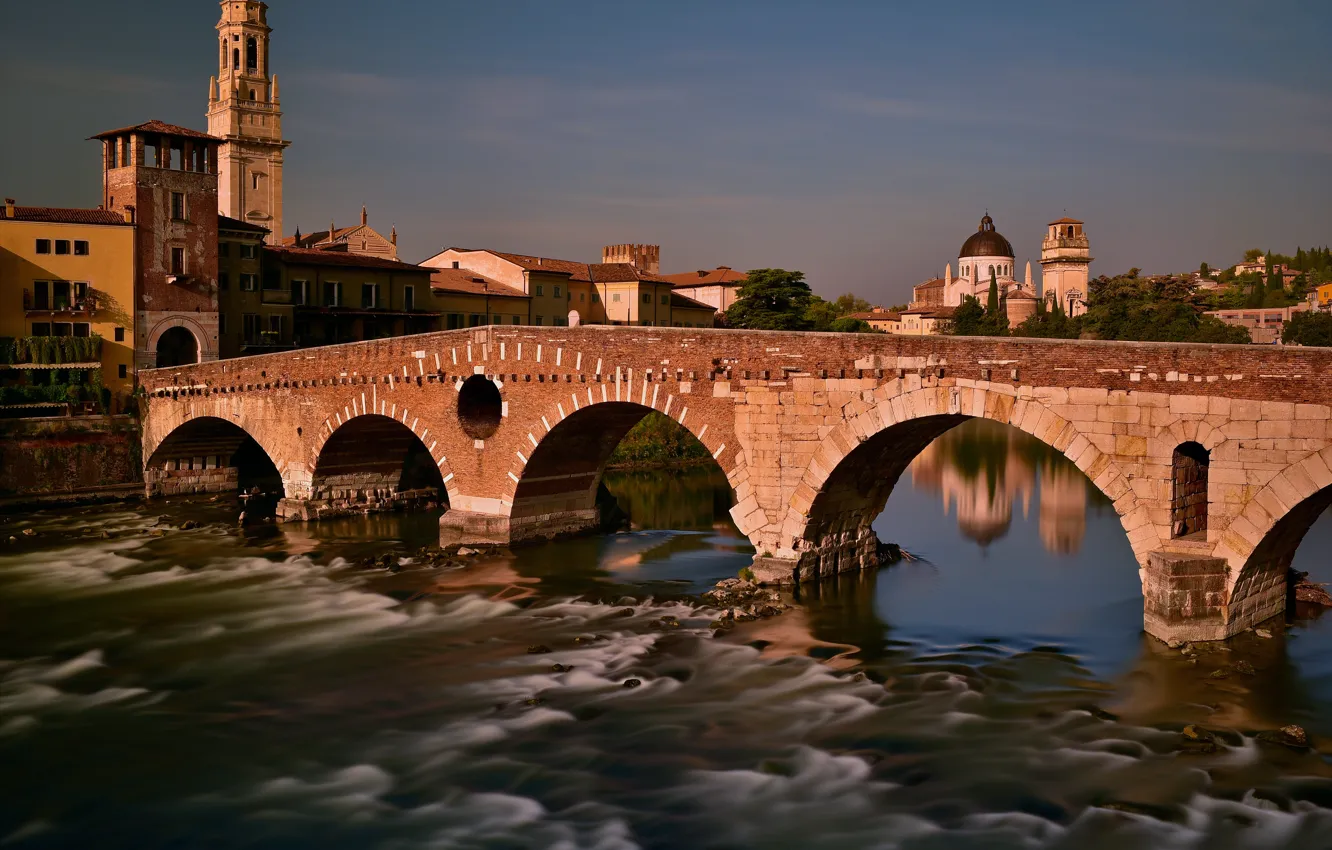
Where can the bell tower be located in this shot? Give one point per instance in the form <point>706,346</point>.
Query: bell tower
<point>1065,265</point>
<point>245,112</point>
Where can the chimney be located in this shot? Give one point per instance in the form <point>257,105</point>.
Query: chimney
<point>129,213</point>
<point>365,217</point>
<point>9,208</point>
<point>331,230</point>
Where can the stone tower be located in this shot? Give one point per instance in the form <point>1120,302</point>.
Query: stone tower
<point>163,178</point>
<point>645,258</point>
<point>244,111</point>
<point>1065,261</point>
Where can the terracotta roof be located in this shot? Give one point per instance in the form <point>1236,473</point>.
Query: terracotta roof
<point>576,271</point>
<point>933,283</point>
<point>619,272</point>
<point>1066,220</point>
<point>702,277</point>
<point>683,302</point>
<point>876,316</point>
<point>156,126</point>
<point>225,222</point>
<point>319,237</point>
<point>64,215</point>
<point>471,283</point>
<point>1020,294</point>
<point>937,312</point>
<point>317,257</point>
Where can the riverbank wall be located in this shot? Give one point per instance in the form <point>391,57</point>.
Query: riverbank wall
<point>77,456</point>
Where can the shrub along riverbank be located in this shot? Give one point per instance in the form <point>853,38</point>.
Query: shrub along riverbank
<point>657,440</point>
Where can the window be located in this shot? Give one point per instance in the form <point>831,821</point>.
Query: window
<point>250,327</point>
<point>178,206</point>
<point>474,320</point>
<point>455,264</point>
<point>454,321</point>
<point>665,300</point>
<point>408,298</point>
<point>515,320</point>
<point>251,57</point>
<point>43,246</point>
<point>121,371</point>
<point>60,295</point>
<point>41,296</point>
<point>557,292</point>
<point>80,247</point>
<point>497,320</point>
<point>223,281</point>
<point>596,297</point>
<point>120,334</point>
<point>62,329</point>
<point>300,292</point>
<point>991,270</point>
<point>646,324</point>
<point>41,328</point>
<point>221,323</point>
<point>647,297</point>
<point>275,324</point>
<point>369,295</point>
<point>224,249</point>
<point>62,246</point>
<point>582,296</point>
<point>540,290</point>
<point>249,252</point>
<point>82,329</point>
<point>539,320</point>
<point>332,294</point>
<point>249,282</point>
<point>1188,501</point>
<point>615,296</point>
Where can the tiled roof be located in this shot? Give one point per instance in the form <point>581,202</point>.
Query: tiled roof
<point>63,215</point>
<point>937,312</point>
<point>930,284</point>
<point>619,273</point>
<point>471,283</point>
<point>156,126</point>
<point>576,271</point>
<point>581,272</point>
<point>1066,220</point>
<point>309,240</point>
<point>702,277</point>
<point>877,316</point>
<point>316,257</point>
<point>678,300</point>
<point>225,222</point>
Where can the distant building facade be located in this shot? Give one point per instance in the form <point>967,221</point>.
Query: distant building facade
<point>358,239</point>
<point>1066,265</point>
<point>1264,324</point>
<point>719,288</point>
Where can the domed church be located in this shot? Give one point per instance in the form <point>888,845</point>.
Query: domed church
<point>985,254</point>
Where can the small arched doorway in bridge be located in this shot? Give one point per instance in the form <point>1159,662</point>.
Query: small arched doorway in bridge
<point>374,462</point>
<point>1188,496</point>
<point>211,455</point>
<point>177,347</point>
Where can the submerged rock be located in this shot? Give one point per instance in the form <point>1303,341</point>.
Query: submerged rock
<point>1292,736</point>
<point>1304,590</point>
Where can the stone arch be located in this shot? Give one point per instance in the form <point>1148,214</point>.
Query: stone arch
<point>826,528</point>
<point>554,484</point>
<point>202,340</point>
<point>209,453</point>
<point>370,459</point>
<point>1259,544</point>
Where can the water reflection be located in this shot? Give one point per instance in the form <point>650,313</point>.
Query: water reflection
<point>983,469</point>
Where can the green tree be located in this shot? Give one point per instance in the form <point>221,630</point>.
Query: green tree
<point>820,314</point>
<point>1205,270</point>
<point>1049,324</point>
<point>849,303</point>
<point>849,325</point>
<point>1252,255</point>
<point>1308,328</point>
<point>772,300</point>
<point>968,317</point>
<point>1211,329</point>
<point>995,322</point>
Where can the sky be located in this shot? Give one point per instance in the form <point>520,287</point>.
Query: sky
<point>859,142</point>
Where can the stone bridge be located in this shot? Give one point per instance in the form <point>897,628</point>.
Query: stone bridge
<point>1217,459</point>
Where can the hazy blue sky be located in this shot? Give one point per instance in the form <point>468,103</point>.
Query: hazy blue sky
<point>859,142</point>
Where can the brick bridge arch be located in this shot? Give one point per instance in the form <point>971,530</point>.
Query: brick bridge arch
<point>793,419</point>
<point>846,483</point>
<point>193,449</point>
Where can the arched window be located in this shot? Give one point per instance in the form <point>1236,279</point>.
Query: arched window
<point>235,58</point>
<point>251,54</point>
<point>223,45</point>
<point>1070,230</point>
<point>251,94</point>
<point>1188,500</point>
<point>991,270</point>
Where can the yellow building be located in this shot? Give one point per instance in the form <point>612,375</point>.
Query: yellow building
<point>70,273</point>
<point>925,321</point>
<point>468,300</point>
<point>254,312</point>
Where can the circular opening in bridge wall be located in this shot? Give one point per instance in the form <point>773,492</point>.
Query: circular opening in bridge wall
<point>479,407</point>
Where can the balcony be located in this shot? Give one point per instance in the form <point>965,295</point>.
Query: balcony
<point>83,303</point>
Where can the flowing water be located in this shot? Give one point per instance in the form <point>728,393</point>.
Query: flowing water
<point>221,687</point>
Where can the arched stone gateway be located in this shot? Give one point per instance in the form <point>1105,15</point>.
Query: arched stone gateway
<point>209,455</point>
<point>1216,458</point>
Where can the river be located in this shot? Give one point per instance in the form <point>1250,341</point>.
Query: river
<point>167,685</point>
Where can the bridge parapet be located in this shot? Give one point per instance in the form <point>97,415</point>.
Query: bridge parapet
<point>812,431</point>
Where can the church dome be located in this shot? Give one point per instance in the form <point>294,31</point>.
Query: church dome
<point>986,242</point>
